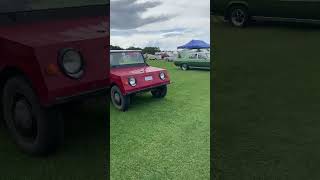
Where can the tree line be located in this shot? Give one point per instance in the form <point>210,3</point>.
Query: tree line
<point>146,50</point>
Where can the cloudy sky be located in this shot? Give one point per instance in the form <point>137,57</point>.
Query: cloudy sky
<point>162,23</point>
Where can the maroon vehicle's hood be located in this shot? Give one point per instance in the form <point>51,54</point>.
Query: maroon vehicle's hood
<point>130,71</point>
<point>54,32</point>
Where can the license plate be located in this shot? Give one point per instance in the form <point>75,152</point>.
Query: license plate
<point>148,78</point>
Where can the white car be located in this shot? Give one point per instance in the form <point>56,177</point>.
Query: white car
<point>151,57</point>
<point>170,58</point>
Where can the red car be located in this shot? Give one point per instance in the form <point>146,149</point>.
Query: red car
<point>48,58</point>
<point>130,74</point>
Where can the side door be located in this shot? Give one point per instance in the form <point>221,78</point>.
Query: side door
<point>203,60</point>
<point>264,8</point>
<point>300,9</point>
<point>192,59</point>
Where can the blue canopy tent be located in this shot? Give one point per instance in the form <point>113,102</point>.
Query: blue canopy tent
<point>195,44</point>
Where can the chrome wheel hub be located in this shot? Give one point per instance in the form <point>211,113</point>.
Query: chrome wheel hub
<point>117,98</point>
<point>238,17</point>
<point>23,118</point>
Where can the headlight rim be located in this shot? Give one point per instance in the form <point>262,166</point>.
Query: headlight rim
<point>135,81</point>
<point>164,75</point>
<point>76,75</point>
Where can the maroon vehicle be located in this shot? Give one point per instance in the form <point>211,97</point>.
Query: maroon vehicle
<point>130,74</point>
<point>49,58</point>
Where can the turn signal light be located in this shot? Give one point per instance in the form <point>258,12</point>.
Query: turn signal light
<point>52,70</point>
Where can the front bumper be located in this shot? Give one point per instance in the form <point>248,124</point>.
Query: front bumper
<point>145,89</point>
<point>81,96</point>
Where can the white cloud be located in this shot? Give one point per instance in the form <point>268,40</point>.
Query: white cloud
<point>177,22</point>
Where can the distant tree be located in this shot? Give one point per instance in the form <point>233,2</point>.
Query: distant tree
<point>150,50</point>
<point>134,48</point>
<point>115,47</point>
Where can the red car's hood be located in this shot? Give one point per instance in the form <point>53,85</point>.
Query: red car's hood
<point>130,71</point>
<point>54,32</point>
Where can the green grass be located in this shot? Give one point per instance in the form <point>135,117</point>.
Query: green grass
<point>164,138</point>
<point>81,157</point>
<point>266,124</point>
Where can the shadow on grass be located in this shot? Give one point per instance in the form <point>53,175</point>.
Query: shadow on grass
<point>86,119</point>
<point>287,25</point>
<point>143,100</point>
<point>3,129</point>
<point>199,69</point>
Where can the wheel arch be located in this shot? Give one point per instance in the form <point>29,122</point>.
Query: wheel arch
<point>118,85</point>
<point>113,84</point>
<point>11,71</point>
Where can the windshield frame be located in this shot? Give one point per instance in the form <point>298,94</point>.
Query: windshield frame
<point>129,65</point>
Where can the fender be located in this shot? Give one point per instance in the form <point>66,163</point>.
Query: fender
<point>17,59</point>
<point>237,2</point>
<point>116,80</point>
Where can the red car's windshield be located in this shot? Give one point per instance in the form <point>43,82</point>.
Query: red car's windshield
<point>126,59</point>
<point>7,6</point>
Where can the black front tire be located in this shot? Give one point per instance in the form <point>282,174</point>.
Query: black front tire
<point>184,67</point>
<point>159,92</point>
<point>47,124</point>
<point>238,16</point>
<point>120,101</point>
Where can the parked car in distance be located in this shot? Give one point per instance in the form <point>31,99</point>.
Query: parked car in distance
<point>193,60</point>
<point>151,57</point>
<point>47,61</point>
<point>239,13</point>
<point>170,58</point>
<point>130,74</point>
<point>159,55</point>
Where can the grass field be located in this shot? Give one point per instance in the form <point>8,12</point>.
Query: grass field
<point>81,157</point>
<point>267,101</point>
<point>164,138</point>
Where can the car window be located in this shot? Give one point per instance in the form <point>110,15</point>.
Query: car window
<point>126,58</point>
<point>193,56</point>
<point>202,56</point>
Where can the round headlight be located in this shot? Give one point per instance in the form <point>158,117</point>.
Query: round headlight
<point>162,76</point>
<point>71,63</point>
<point>132,81</point>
